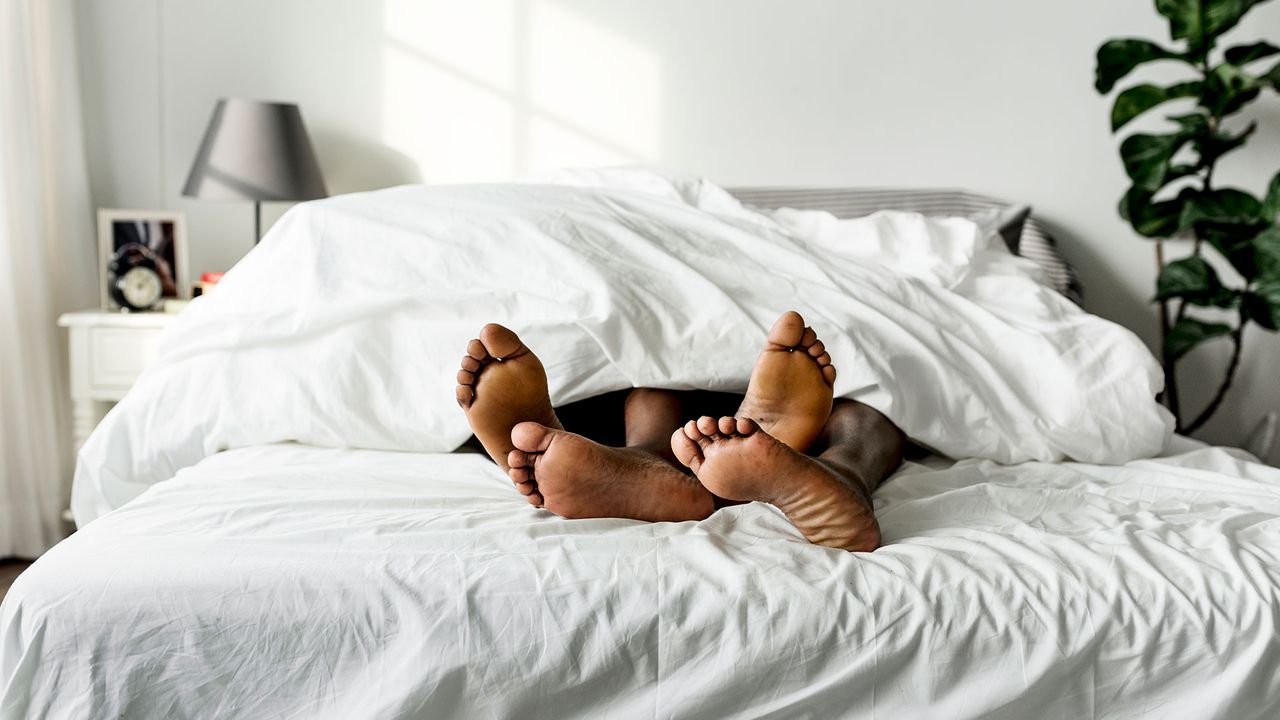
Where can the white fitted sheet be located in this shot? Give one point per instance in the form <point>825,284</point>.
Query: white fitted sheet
<point>286,581</point>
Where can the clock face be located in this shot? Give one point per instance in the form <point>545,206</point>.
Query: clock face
<point>140,287</point>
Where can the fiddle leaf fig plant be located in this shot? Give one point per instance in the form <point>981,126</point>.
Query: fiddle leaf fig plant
<point>1175,194</point>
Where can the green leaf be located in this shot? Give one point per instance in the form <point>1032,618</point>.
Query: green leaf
<point>1244,54</point>
<point>1150,219</point>
<point>1147,157</point>
<point>1235,243</point>
<point>1138,99</point>
<point>1271,203</point>
<point>1272,76</point>
<point>1227,88</point>
<point>1224,206</point>
<point>1188,333</point>
<point>1266,254</point>
<point>1192,123</point>
<point>1200,22</point>
<point>1185,17</point>
<point>1213,146</point>
<point>1195,281</point>
<point>1262,304</point>
<point>1181,170</point>
<point>1117,58</point>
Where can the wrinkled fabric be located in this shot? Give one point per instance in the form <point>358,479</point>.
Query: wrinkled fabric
<point>295,582</point>
<point>345,326</point>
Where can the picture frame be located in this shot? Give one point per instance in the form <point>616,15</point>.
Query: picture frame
<point>162,232</point>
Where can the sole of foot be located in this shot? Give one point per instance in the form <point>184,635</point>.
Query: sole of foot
<point>501,383</point>
<point>575,478</point>
<point>791,385</point>
<point>736,459</point>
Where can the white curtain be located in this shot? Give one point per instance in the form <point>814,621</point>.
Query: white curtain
<point>47,261</point>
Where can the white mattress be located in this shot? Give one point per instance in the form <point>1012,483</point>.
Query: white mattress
<point>285,581</point>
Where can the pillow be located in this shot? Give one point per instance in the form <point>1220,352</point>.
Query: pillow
<point>1022,234</point>
<point>939,250</point>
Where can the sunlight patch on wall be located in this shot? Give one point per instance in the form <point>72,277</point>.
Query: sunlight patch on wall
<point>497,89</point>
<point>475,38</point>
<point>600,92</point>
<point>453,129</point>
<point>552,146</point>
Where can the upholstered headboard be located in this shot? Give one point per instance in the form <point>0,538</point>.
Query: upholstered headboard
<point>1034,242</point>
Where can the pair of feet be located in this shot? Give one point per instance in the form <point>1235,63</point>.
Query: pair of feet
<point>756,455</point>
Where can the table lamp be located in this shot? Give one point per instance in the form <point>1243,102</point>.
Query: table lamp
<point>259,151</point>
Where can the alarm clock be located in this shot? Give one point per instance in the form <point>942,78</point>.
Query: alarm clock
<point>135,282</point>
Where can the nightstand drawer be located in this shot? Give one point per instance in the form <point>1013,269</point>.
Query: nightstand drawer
<point>118,355</point>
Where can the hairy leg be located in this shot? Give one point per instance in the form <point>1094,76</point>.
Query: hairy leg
<point>828,497</point>
<point>575,477</point>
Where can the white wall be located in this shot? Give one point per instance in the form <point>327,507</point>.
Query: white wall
<point>991,95</point>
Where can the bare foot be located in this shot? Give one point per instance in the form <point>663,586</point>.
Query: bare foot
<point>737,460</point>
<point>574,477</point>
<point>502,383</point>
<point>790,390</point>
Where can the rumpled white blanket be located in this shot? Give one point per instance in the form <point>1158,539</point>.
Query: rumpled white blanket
<point>345,326</point>
<point>283,581</point>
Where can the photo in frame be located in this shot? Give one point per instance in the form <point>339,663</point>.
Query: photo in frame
<point>161,235</point>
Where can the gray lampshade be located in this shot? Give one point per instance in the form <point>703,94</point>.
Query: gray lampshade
<point>257,151</point>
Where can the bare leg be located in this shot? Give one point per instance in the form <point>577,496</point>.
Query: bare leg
<point>828,498</point>
<point>651,415</point>
<point>861,445</point>
<point>575,477</point>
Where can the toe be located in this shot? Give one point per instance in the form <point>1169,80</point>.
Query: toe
<point>817,348</point>
<point>686,450</point>
<point>691,430</point>
<point>532,437</point>
<point>520,475</point>
<point>526,488</point>
<point>726,425</point>
<point>823,360</point>
<point>501,342</point>
<point>787,330</point>
<point>476,351</point>
<point>519,458</point>
<point>808,338</point>
<point>829,374</point>
<point>465,395</point>
<point>696,435</point>
<point>469,363</point>
<point>746,426</point>
<point>708,425</point>
<point>535,499</point>
<point>466,377</point>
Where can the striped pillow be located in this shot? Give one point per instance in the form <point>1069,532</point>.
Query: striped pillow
<point>1024,235</point>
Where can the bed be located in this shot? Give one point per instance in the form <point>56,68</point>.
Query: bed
<point>293,537</point>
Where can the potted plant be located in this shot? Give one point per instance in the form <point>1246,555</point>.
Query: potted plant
<point>1175,193</point>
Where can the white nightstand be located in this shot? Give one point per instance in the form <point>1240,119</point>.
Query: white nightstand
<point>108,352</point>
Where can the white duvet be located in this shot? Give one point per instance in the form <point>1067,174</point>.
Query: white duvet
<point>345,326</point>
<point>293,582</point>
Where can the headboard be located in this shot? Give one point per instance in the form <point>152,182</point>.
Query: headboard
<point>1035,243</point>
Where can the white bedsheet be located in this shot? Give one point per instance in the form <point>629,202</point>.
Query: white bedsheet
<point>344,327</point>
<point>292,582</point>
